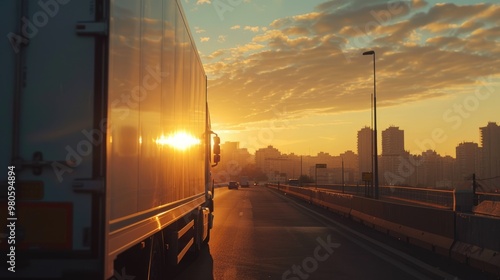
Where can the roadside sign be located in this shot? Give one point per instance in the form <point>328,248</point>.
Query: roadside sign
<point>366,176</point>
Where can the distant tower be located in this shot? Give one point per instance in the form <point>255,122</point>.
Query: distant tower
<point>270,161</point>
<point>365,150</point>
<point>431,169</point>
<point>393,147</point>
<point>234,159</point>
<point>467,157</point>
<point>393,141</point>
<point>490,154</point>
<point>229,150</point>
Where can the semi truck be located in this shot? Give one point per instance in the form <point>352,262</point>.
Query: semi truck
<point>106,146</point>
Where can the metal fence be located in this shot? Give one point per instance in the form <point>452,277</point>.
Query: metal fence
<point>482,196</point>
<point>430,197</point>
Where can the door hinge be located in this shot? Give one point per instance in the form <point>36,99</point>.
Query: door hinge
<point>37,163</point>
<point>88,185</point>
<point>92,28</point>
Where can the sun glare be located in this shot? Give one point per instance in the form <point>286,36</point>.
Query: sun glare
<point>179,140</point>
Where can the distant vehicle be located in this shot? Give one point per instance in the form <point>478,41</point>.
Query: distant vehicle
<point>244,182</point>
<point>233,185</point>
<point>255,183</point>
<point>293,182</point>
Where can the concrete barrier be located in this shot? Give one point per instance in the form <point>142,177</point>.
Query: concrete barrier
<point>467,238</point>
<point>430,228</point>
<point>336,202</point>
<point>477,241</point>
<point>433,220</point>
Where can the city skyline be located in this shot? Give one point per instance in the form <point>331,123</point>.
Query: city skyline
<point>397,166</point>
<point>292,74</point>
<point>380,153</point>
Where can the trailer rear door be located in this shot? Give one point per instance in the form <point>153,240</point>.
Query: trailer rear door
<point>52,120</point>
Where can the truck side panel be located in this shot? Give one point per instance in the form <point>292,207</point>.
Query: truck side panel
<point>157,101</point>
<point>111,143</point>
<point>156,89</point>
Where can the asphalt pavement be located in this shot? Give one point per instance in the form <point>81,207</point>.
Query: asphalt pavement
<point>261,234</point>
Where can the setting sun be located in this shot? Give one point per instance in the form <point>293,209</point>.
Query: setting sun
<point>180,140</point>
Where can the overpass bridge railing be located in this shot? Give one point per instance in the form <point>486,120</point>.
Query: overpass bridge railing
<point>430,197</point>
<point>460,235</point>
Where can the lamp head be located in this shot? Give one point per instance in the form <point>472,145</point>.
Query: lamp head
<point>369,52</point>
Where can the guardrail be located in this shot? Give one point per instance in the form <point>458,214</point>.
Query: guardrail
<point>482,196</point>
<point>463,237</point>
<point>441,198</point>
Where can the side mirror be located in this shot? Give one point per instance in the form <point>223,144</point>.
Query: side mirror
<point>216,151</point>
<point>216,145</point>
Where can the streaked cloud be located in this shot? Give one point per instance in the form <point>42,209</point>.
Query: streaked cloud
<point>221,38</point>
<point>312,62</point>
<point>198,30</point>
<point>254,29</point>
<point>295,68</point>
<point>201,2</point>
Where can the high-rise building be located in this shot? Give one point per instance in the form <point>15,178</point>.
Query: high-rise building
<point>448,173</point>
<point>431,169</point>
<point>393,141</point>
<point>365,151</point>
<point>292,166</point>
<point>393,149</point>
<point>467,158</point>
<point>351,161</point>
<point>233,160</point>
<point>271,162</point>
<point>489,169</point>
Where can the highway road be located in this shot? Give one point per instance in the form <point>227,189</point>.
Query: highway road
<point>261,234</point>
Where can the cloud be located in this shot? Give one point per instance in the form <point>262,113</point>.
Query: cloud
<point>198,30</point>
<point>235,27</point>
<point>201,2</point>
<point>254,29</point>
<point>204,39</point>
<point>221,38</point>
<point>312,63</point>
<point>417,4</point>
<point>216,54</point>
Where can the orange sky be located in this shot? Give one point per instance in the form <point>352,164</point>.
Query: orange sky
<point>298,81</point>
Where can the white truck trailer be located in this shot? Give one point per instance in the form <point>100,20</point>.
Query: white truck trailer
<point>106,142</point>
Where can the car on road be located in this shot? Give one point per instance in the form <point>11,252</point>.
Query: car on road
<point>233,185</point>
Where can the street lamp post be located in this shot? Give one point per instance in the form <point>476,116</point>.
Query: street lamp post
<point>375,154</point>
<point>343,182</point>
